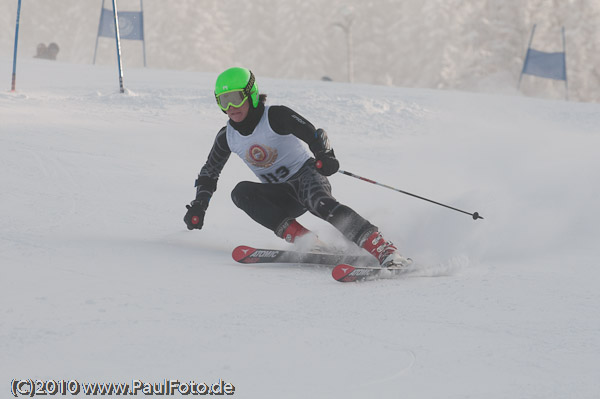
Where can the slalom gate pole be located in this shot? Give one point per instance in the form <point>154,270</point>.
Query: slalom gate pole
<point>14,71</point>
<point>118,39</point>
<point>474,215</point>
<point>143,36</point>
<point>99,29</point>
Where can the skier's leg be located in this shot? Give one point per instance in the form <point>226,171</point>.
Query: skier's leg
<point>365,235</point>
<point>314,191</point>
<point>272,205</point>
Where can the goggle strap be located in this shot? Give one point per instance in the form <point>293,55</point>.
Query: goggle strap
<point>248,87</point>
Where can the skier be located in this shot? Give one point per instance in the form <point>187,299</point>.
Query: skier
<point>269,139</point>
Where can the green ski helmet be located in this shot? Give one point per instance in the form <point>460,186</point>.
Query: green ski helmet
<point>235,79</point>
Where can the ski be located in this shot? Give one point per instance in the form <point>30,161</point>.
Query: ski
<point>246,254</point>
<point>345,273</point>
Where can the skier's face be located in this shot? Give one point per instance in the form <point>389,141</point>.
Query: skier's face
<point>239,114</point>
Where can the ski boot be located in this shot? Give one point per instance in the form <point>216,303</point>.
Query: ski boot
<point>386,253</point>
<point>304,239</point>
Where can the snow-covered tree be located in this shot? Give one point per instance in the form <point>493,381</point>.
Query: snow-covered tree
<point>448,44</point>
<point>188,34</point>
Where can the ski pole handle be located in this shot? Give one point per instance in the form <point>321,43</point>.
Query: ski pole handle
<point>474,215</point>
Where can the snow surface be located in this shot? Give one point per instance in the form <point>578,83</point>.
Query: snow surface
<point>101,280</point>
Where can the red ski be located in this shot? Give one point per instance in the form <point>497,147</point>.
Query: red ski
<point>365,265</point>
<point>346,273</point>
<point>246,254</point>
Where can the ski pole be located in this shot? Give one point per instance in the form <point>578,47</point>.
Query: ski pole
<point>475,215</point>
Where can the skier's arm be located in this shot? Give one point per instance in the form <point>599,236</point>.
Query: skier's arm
<point>283,120</point>
<point>206,183</point>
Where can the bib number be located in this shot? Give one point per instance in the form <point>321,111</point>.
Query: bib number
<point>281,173</point>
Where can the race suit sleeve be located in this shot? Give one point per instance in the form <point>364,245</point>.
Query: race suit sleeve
<point>284,120</point>
<point>206,184</point>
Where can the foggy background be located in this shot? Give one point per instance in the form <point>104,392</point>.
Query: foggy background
<point>442,44</point>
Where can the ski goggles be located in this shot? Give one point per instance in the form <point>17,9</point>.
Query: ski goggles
<point>234,99</point>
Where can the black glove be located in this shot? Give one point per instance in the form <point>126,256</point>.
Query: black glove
<point>194,218</point>
<point>327,164</point>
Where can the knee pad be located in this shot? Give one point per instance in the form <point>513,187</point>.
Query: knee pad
<point>324,208</point>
